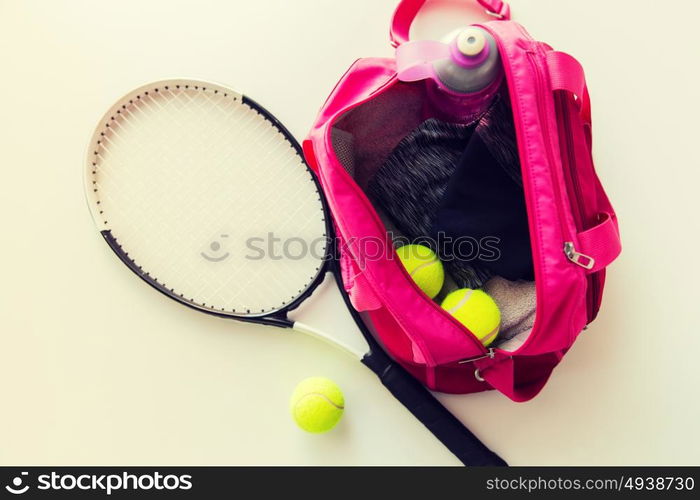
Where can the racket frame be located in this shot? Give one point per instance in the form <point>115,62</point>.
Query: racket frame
<point>276,318</point>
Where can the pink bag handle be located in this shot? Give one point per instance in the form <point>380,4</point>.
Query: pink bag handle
<point>407,11</point>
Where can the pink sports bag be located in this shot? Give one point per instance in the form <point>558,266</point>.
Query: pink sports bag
<point>573,229</point>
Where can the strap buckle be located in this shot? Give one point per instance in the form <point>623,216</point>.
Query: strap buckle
<point>499,10</point>
<point>497,15</point>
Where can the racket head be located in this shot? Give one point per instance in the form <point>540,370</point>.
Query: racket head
<point>206,196</point>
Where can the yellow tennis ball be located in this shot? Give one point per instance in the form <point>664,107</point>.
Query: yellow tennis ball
<point>477,311</point>
<point>317,404</point>
<point>424,267</point>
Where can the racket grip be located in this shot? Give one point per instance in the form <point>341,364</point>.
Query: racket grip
<point>426,408</point>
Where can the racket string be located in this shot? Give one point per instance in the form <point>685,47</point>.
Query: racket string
<point>145,174</point>
<point>149,160</point>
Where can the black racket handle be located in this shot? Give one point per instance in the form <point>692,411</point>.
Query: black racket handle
<point>419,401</point>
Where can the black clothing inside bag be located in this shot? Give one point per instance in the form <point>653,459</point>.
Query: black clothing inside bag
<point>464,181</point>
<point>484,202</point>
<point>411,184</point>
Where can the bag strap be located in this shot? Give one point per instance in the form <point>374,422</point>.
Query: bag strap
<point>601,244</point>
<point>566,73</point>
<point>407,10</point>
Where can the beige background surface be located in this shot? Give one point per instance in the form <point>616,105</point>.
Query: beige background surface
<point>97,368</point>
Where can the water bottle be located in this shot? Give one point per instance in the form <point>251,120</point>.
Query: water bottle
<point>462,76</point>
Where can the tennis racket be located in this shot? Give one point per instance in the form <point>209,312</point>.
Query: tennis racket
<point>204,195</point>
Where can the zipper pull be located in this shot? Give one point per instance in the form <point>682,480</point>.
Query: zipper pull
<point>583,260</point>
<point>490,354</point>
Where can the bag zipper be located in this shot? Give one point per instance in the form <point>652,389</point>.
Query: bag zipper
<point>542,112</point>
<point>571,170</point>
<point>578,258</point>
<point>569,167</point>
<point>578,208</point>
<point>490,353</point>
